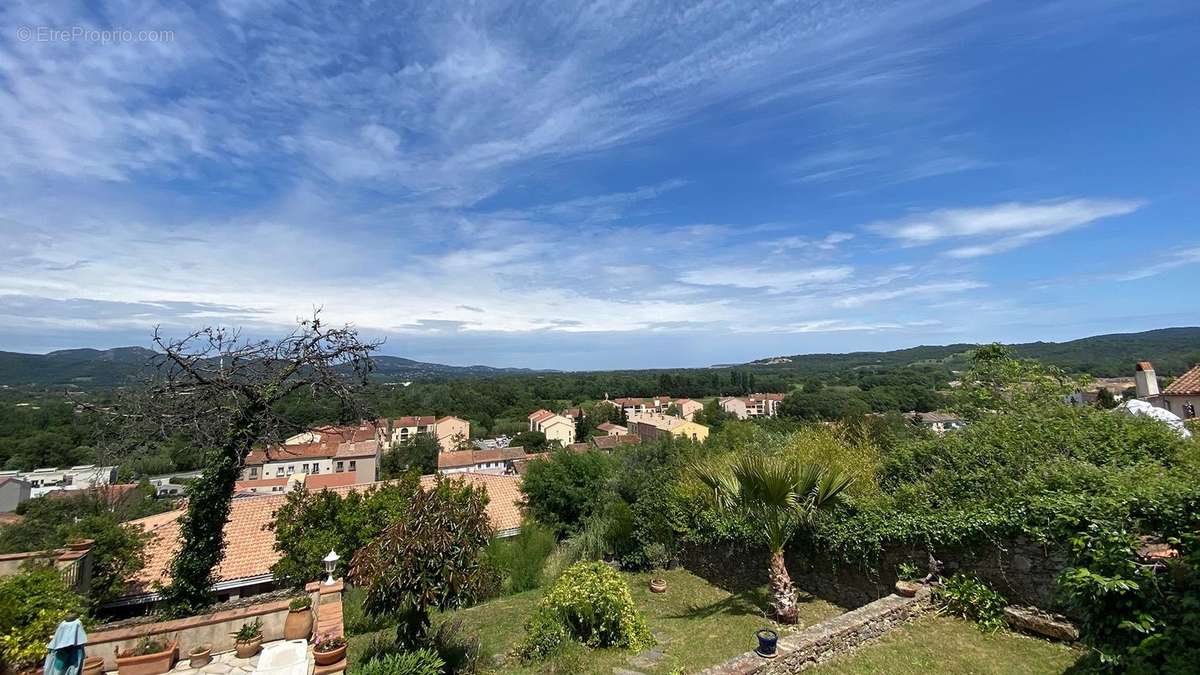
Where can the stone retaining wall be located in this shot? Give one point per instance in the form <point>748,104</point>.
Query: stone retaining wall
<point>827,639</point>
<point>1021,569</point>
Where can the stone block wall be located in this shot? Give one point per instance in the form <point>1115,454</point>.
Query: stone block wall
<point>1021,569</point>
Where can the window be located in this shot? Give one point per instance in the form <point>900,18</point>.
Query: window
<point>279,472</point>
<point>316,468</point>
<point>353,465</point>
<point>304,468</point>
<point>291,469</point>
<point>254,472</point>
<point>341,466</point>
<point>1189,410</point>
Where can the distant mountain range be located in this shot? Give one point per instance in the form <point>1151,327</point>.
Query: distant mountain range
<point>122,365</point>
<point>1172,350</point>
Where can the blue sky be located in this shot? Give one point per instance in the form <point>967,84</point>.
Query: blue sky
<point>586,185</point>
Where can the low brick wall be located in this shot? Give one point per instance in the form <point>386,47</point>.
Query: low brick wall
<point>827,639</point>
<point>215,629</point>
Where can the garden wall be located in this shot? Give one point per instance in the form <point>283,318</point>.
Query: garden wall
<point>215,629</point>
<point>1021,569</point>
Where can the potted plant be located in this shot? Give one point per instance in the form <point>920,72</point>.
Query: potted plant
<point>768,640</point>
<point>908,580</point>
<point>151,656</point>
<point>248,639</point>
<point>93,665</point>
<point>77,544</point>
<point>200,655</point>
<point>329,649</point>
<point>657,583</point>
<point>299,622</point>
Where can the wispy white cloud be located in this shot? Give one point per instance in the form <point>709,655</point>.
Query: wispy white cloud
<point>910,291</point>
<point>1171,261</point>
<point>1001,227</point>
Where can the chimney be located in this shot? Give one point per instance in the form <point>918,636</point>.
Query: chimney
<point>1145,380</point>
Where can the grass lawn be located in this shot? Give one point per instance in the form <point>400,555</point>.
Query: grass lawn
<point>697,623</point>
<point>936,645</point>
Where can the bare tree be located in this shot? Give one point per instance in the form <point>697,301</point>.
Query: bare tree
<point>223,393</point>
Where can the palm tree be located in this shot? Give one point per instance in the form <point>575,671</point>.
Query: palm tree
<point>778,495</point>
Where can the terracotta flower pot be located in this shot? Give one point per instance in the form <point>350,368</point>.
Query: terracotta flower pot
<point>80,544</point>
<point>658,585</point>
<point>157,663</point>
<point>245,650</point>
<point>200,656</point>
<point>298,625</point>
<point>907,588</point>
<point>330,657</point>
<point>93,665</point>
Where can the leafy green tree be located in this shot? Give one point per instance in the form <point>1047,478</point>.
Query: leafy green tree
<point>998,383</point>
<point>420,453</point>
<point>565,488</point>
<point>776,495</point>
<point>430,560</point>
<point>532,441</point>
<point>226,393</point>
<point>310,524</point>
<point>825,404</point>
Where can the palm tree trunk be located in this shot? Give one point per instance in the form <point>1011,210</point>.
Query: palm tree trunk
<point>783,593</point>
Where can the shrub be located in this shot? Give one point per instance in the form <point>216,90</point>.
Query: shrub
<point>431,559</point>
<point>589,603</point>
<point>566,488</point>
<point>32,604</point>
<point>357,620</point>
<point>302,602</point>
<point>458,646</point>
<point>908,572</point>
<point>966,596</point>
<point>418,662</point>
<point>520,560</point>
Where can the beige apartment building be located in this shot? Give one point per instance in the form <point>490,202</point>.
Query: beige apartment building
<point>658,404</point>
<point>556,427</point>
<point>754,405</point>
<point>451,432</point>
<point>651,426</point>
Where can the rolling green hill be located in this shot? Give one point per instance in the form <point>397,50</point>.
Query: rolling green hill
<point>1172,350</point>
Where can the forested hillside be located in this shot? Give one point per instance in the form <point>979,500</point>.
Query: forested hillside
<point>1172,350</point>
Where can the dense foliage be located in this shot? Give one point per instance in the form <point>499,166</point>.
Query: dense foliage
<point>589,603</point>
<point>310,524</point>
<point>117,552</point>
<point>966,596</point>
<point>567,488</point>
<point>428,560</point>
<point>32,604</point>
<point>417,662</point>
<point>520,560</point>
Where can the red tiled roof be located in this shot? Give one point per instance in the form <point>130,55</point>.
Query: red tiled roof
<point>459,458</point>
<point>1187,384</point>
<point>330,480</point>
<point>609,442</point>
<point>360,449</point>
<point>1144,365</point>
<point>609,426</point>
<point>540,414</point>
<point>418,421</point>
<point>250,547</point>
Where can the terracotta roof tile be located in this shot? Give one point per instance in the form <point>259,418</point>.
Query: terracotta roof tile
<point>1187,384</point>
<point>250,547</point>
<point>609,442</point>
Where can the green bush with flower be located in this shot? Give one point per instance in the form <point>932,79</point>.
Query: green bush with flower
<point>589,603</point>
<point>32,604</point>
